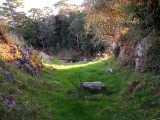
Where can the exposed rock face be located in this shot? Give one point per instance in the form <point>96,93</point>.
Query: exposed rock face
<point>27,48</point>
<point>124,52</point>
<point>27,67</point>
<point>141,52</point>
<point>17,56</point>
<point>129,54</point>
<point>121,49</point>
<point>93,86</point>
<point>116,48</point>
<point>25,63</point>
<point>24,53</point>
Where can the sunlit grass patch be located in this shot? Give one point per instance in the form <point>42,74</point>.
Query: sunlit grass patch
<point>61,65</point>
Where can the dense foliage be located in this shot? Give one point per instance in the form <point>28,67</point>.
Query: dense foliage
<point>146,12</point>
<point>153,60</point>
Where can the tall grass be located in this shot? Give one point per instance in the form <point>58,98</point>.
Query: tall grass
<point>17,40</point>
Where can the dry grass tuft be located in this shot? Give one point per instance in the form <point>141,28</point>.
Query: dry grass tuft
<point>46,57</point>
<point>15,39</point>
<point>35,60</point>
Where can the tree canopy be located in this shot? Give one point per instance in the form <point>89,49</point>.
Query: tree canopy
<point>77,27</point>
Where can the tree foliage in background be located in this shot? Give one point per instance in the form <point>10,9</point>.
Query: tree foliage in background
<point>29,31</point>
<point>102,17</point>
<point>8,9</point>
<point>85,31</point>
<point>76,29</point>
<point>46,32</point>
<point>64,8</point>
<point>78,40</point>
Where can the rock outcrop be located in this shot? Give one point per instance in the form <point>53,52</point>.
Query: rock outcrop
<point>19,57</point>
<point>141,52</point>
<point>128,53</point>
<point>25,63</point>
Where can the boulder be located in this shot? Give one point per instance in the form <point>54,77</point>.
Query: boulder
<point>141,52</point>
<point>93,86</point>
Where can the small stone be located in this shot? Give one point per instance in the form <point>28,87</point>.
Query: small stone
<point>85,60</point>
<point>154,77</point>
<point>9,102</point>
<point>109,70</point>
<point>71,61</point>
<point>57,84</point>
<point>9,76</point>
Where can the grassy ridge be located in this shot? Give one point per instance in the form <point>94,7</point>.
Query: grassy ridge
<point>40,98</point>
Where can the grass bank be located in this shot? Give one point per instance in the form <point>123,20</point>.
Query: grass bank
<point>41,98</point>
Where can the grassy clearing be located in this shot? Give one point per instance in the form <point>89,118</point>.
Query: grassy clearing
<point>40,98</point>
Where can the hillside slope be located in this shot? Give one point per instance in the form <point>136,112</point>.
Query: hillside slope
<point>56,92</point>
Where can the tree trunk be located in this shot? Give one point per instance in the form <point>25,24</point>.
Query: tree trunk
<point>78,43</point>
<point>41,41</point>
<point>43,45</point>
<point>13,21</point>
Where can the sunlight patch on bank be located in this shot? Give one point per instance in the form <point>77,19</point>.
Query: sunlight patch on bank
<point>74,65</point>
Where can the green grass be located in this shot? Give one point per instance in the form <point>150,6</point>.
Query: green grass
<point>39,97</point>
